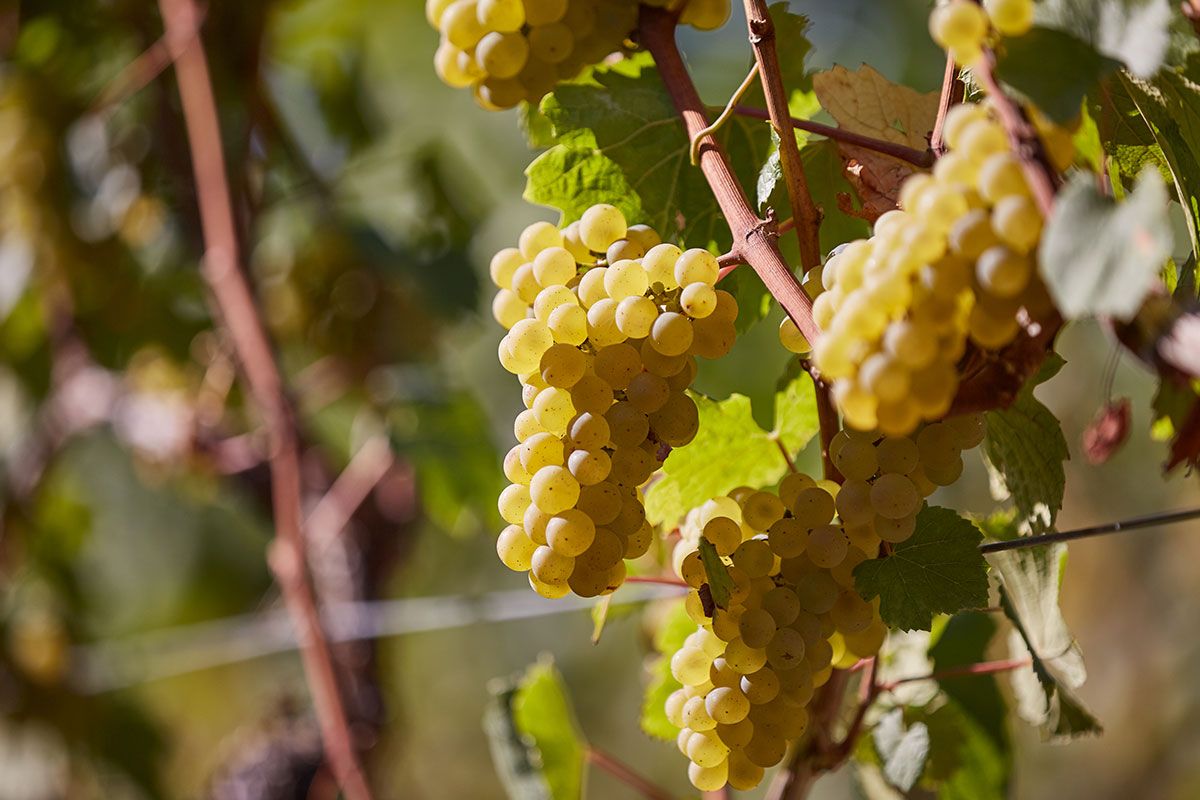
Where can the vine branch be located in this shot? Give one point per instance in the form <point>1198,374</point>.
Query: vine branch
<point>918,158</point>
<point>1120,526</point>
<point>624,773</point>
<point>952,95</point>
<point>235,306</point>
<point>762,41</point>
<point>754,239</point>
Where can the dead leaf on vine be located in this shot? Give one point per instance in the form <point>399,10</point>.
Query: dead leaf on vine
<point>863,101</point>
<point>1107,431</point>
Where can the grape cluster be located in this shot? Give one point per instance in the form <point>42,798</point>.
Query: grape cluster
<point>748,672</point>
<point>509,51</point>
<point>955,264</point>
<point>962,26</point>
<point>887,478</point>
<point>604,324</point>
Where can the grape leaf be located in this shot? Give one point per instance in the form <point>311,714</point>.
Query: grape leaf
<point>731,450</point>
<point>720,583</point>
<point>937,571</point>
<point>1053,69</point>
<point>965,762</point>
<point>863,101</point>
<point>536,745</point>
<point>621,141</point>
<point>1025,449</point>
<point>1100,257</point>
<point>1030,579</point>
<point>1134,32</point>
<point>827,181</point>
<point>674,628</point>
<point>902,752</point>
<point>1163,113</point>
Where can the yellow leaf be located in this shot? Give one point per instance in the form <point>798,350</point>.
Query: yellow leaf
<point>865,102</point>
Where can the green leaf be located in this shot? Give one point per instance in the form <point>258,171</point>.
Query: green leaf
<point>720,583</point>
<point>769,176</point>
<point>1030,579</point>
<point>1134,32</point>
<point>1100,257</point>
<point>1025,450</point>
<point>621,141</point>
<point>536,745</point>
<point>731,450</point>
<point>1053,69</point>
<point>963,641</point>
<point>937,571</point>
<point>675,627</point>
<point>827,179</point>
<point>1163,112</point>
<point>903,752</point>
<point>966,763</point>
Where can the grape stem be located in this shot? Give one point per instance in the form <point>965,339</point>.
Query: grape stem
<point>787,457</point>
<point>659,580</point>
<point>626,774</point>
<point>235,306</point>
<point>762,41</point>
<point>952,94</point>
<point>918,158</point>
<point>754,238</point>
<point>981,668</point>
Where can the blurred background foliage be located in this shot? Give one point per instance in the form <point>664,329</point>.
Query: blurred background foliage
<point>135,510</point>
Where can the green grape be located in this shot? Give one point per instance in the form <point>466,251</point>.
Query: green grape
<point>851,614</point>
<point>635,316</point>
<point>592,395</point>
<point>705,15</point>
<point>589,466</point>
<point>698,300</point>
<point>452,65</point>
<point>513,502</point>
<point>944,474</point>
<point>676,423</point>
<point>966,431</point>
<point>813,507</point>
<point>508,309</point>
<point>605,551</point>
<point>1017,222</point>
<point>817,592</point>
<point>696,266</point>
<point>765,750</point>
<point>544,12</point>
<point>728,706</point>
<point>724,534</point>
<point>551,591</point>
<point>983,138</point>
<point>681,380</point>
<point>737,735</point>
<point>659,263</point>
<point>602,323</point>
<point>601,502</point>
<point>671,334</point>
<point>992,331</point>
<point>628,426</point>
<point>541,450</point>
<point>854,503</point>
<point>644,236</point>
<point>896,454</point>
<point>761,510</point>
<point>588,431</point>
<point>568,324</point>
<point>792,339</point>
<point>972,233</point>
<point>538,237</point>
<point>550,566</point>
<point>434,9</point>
<point>601,225</point>
<point>895,530</point>
<point>514,470</point>
<point>742,773</point>
<point>460,25</point>
<point>515,548</point>
<point>912,343</point>
<point>743,658</point>
<point>553,408</point>
<point>551,43</point>
<point>617,364</point>
<point>623,250</point>
<point>554,266</point>
<point>563,366</point>
<point>792,484</point>
<point>1002,272</point>
<point>639,542</point>
<point>674,707</point>
<point>1011,17</point>
<point>632,466</point>
<point>501,15</point>
<point>754,557</point>
<point>712,338</point>
<point>894,496</point>
<point>498,94</point>
<point>647,392</point>
<point>856,460</point>
<point>782,604</point>
<point>551,298</point>
<point>827,546</point>
<point>526,425</point>
<point>525,283</point>
<point>756,628</point>
<point>760,687</point>
<point>553,489</point>
<point>570,532</point>
<point>625,279</point>
<point>695,712</point>
<point>575,245</point>
<point>708,779</point>
<point>591,287</point>
<point>786,649</point>
<point>941,205</point>
<point>502,55</point>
